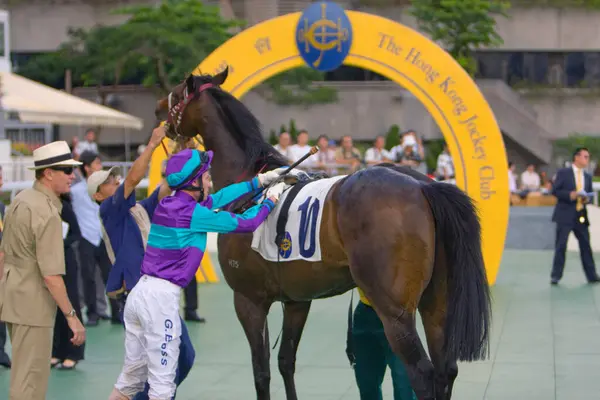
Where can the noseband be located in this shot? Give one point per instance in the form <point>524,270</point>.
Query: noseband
<point>176,112</point>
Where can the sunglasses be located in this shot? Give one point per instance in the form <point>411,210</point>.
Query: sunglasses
<point>66,170</point>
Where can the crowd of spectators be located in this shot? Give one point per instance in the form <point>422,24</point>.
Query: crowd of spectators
<point>343,157</point>
<point>529,182</point>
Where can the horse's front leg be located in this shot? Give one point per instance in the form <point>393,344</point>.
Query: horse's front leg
<point>294,318</point>
<point>252,314</point>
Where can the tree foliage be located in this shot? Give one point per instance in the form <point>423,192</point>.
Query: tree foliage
<point>460,26</point>
<point>158,45</point>
<point>566,146</point>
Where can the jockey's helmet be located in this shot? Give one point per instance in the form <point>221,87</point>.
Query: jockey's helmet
<point>186,166</point>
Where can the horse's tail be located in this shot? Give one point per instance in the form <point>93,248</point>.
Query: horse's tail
<point>458,228</point>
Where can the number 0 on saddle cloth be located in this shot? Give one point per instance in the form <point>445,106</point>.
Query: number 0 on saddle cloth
<point>301,241</point>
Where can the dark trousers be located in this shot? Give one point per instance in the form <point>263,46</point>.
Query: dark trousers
<point>373,355</point>
<point>2,337</point>
<point>190,294</point>
<point>89,257</point>
<point>582,234</point>
<point>62,348</point>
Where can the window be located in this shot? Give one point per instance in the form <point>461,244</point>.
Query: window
<point>352,74</point>
<point>569,69</point>
<point>575,69</point>
<point>492,65</point>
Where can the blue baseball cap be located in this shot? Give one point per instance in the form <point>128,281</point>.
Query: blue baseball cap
<point>186,166</point>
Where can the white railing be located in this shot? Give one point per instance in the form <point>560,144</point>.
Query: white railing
<point>16,187</point>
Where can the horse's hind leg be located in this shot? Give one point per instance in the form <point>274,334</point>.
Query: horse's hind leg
<point>395,295</point>
<point>252,314</point>
<point>434,310</point>
<point>294,319</point>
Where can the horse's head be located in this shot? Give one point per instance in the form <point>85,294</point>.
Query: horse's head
<point>199,105</point>
<point>183,107</point>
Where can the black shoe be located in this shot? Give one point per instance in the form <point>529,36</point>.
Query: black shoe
<point>595,280</point>
<point>116,321</point>
<point>92,320</point>
<point>62,366</point>
<point>554,282</point>
<point>193,316</point>
<point>5,360</point>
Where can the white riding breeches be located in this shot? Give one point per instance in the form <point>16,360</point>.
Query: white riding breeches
<point>152,338</point>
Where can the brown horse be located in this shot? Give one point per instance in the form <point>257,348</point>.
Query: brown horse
<point>409,243</point>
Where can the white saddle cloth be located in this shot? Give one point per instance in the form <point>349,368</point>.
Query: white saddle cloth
<point>303,225</point>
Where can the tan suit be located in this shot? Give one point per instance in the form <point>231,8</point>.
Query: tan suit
<point>33,246</point>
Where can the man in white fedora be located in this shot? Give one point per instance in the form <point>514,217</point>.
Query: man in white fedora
<point>32,263</point>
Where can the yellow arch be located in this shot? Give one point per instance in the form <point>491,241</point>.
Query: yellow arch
<point>415,63</point>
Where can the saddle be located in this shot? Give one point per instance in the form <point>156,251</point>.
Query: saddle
<point>245,202</point>
<point>303,180</point>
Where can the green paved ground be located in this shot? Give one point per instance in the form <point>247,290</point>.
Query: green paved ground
<point>545,346</point>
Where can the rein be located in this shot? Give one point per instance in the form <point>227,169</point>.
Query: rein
<point>176,112</point>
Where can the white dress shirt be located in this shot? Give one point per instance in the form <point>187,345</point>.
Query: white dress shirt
<point>87,212</point>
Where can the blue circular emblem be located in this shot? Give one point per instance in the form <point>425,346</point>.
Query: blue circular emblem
<point>324,36</point>
<point>285,250</point>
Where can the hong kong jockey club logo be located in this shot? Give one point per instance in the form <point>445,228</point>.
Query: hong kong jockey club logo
<point>285,249</point>
<point>324,36</point>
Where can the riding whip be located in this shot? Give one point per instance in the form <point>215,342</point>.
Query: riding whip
<point>313,150</point>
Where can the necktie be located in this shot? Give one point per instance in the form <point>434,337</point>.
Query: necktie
<point>579,182</point>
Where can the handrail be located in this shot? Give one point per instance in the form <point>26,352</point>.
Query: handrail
<point>15,187</point>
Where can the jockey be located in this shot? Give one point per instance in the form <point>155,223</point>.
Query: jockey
<point>176,245</point>
<point>126,224</point>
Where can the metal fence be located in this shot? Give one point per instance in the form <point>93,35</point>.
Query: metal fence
<point>15,185</point>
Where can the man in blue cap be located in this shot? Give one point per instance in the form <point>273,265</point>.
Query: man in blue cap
<point>176,245</point>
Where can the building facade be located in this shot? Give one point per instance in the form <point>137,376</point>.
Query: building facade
<point>543,83</point>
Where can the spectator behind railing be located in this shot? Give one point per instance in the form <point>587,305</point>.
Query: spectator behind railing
<point>415,158</point>
<point>348,155</point>
<point>285,146</point>
<point>89,144</point>
<point>325,156</point>
<point>378,154</point>
<point>299,149</point>
<point>408,157</point>
<point>530,181</point>
<point>74,146</point>
<point>546,185</point>
<point>512,178</point>
<point>445,167</point>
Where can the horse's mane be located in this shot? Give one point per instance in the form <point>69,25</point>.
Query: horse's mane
<point>245,129</point>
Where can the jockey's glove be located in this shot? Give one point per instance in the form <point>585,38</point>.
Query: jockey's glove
<point>275,191</point>
<point>270,176</point>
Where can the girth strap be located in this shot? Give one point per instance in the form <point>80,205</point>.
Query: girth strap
<point>284,213</point>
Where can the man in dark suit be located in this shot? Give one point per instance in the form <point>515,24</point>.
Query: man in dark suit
<point>570,214</point>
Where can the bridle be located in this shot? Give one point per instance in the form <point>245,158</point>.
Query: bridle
<point>175,113</point>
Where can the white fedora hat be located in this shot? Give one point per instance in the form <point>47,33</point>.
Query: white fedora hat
<point>52,155</point>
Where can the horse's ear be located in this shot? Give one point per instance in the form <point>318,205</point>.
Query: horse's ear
<point>189,83</point>
<point>219,79</point>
